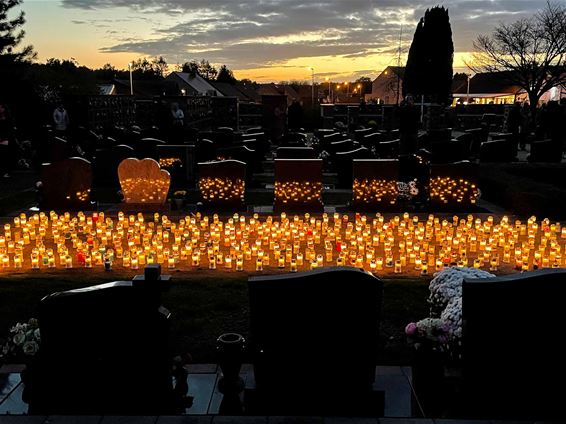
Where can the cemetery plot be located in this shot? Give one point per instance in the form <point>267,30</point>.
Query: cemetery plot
<point>143,181</point>
<point>298,184</point>
<point>66,185</point>
<point>222,183</point>
<point>375,183</point>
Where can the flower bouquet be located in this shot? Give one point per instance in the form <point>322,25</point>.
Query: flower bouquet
<point>22,343</point>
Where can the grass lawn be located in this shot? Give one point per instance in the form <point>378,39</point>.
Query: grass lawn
<point>204,305</point>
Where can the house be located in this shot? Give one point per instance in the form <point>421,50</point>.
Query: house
<point>388,86</point>
<point>193,84</point>
<point>231,90</point>
<point>496,88</point>
<point>144,88</point>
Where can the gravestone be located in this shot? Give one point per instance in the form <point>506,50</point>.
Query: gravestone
<point>66,185</point>
<point>513,355</point>
<point>374,185</point>
<point>148,148</point>
<point>313,356</point>
<point>143,182</point>
<point>388,149</point>
<point>298,185</point>
<point>179,161</point>
<point>295,153</point>
<point>105,165</point>
<point>274,115</point>
<point>343,164</point>
<point>454,186</point>
<point>222,184</point>
<point>205,150</point>
<point>104,351</point>
<point>545,151</point>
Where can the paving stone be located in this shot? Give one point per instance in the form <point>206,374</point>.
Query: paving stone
<point>128,420</point>
<point>406,421</point>
<point>72,419</point>
<point>398,395</point>
<point>350,420</point>
<point>8,382</point>
<point>202,368</point>
<point>295,420</point>
<point>22,419</point>
<point>13,404</point>
<point>220,419</point>
<point>185,419</point>
<point>201,387</point>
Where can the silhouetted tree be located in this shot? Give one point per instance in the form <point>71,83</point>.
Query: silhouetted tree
<point>190,67</point>
<point>14,61</point>
<point>225,75</point>
<point>11,35</point>
<point>532,50</point>
<point>429,64</point>
<point>206,70</point>
<point>159,66</point>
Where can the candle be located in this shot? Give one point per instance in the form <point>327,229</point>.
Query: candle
<point>259,265</point>
<point>397,266</point>
<point>240,263</point>
<point>293,265</point>
<point>68,262</point>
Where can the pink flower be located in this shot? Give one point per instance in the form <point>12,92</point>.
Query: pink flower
<point>411,329</point>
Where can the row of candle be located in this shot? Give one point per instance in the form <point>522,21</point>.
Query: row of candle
<point>400,244</point>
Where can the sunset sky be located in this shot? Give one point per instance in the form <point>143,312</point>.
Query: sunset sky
<point>265,40</point>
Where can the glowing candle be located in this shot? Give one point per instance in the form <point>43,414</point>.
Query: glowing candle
<point>379,263</point>
<point>424,269</point>
<point>281,261</point>
<point>68,262</point>
<point>293,265</point>
<point>314,264</point>
<point>17,261</point>
<point>259,265</point>
<point>477,263</point>
<point>5,261</point>
<point>211,262</point>
<point>171,263</point>
<point>34,262</point>
<point>240,263</point>
<point>320,261</point>
<point>228,262</point>
<point>134,263</point>
<point>397,266</point>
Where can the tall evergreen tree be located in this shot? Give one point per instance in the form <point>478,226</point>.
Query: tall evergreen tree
<point>11,35</point>
<point>429,65</point>
<point>225,75</point>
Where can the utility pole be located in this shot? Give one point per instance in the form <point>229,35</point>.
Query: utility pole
<point>131,79</point>
<point>399,63</point>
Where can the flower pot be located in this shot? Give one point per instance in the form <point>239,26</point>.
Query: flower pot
<point>230,349</point>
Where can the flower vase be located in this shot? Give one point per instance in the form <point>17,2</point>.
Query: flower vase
<point>230,349</point>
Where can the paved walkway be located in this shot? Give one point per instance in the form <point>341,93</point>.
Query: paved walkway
<point>394,381</point>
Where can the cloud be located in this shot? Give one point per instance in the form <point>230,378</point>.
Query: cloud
<point>255,33</point>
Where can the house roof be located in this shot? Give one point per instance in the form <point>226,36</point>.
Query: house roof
<point>147,88</point>
<point>268,89</point>
<point>230,90</point>
<point>396,70</point>
<point>490,82</point>
<point>197,82</point>
<point>250,91</point>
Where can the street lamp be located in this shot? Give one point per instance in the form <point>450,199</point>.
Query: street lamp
<point>468,89</point>
<point>312,74</point>
<point>329,89</point>
<point>360,89</point>
<point>130,65</point>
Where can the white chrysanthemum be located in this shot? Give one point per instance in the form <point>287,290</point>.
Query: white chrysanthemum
<point>30,348</point>
<point>19,338</point>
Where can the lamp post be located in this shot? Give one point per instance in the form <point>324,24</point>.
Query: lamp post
<point>329,89</point>
<point>360,86</point>
<point>468,89</point>
<point>131,79</point>
<point>312,95</point>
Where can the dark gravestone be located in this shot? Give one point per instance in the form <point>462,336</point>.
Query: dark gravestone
<point>328,139</point>
<point>56,149</point>
<point>454,185</point>
<point>147,148</point>
<point>448,151</point>
<point>179,160</point>
<point>372,139</point>
<point>387,149</point>
<point>314,340</point>
<point>243,154</point>
<point>66,185</point>
<point>205,150</point>
<point>222,184</point>
<point>479,136</point>
<point>502,148</point>
<point>343,164</point>
<point>105,165</point>
<point>296,139</point>
<point>360,134</point>
<point>342,146</point>
<point>374,184</point>
<point>298,185</point>
<point>103,351</point>
<point>296,153</point>
<point>513,353</point>
<point>274,115</point>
